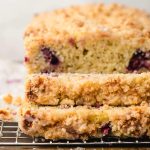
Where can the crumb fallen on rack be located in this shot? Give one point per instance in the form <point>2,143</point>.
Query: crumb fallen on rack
<point>6,114</point>
<point>9,106</point>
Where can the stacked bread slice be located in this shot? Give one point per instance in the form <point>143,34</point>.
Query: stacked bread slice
<point>88,89</point>
<point>80,100</point>
<point>72,106</point>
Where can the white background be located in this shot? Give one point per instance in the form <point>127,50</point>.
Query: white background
<point>16,14</point>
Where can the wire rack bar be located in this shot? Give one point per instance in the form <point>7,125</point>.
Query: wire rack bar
<point>10,135</point>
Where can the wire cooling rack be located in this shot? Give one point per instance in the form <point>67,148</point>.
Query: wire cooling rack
<point>10,134</point>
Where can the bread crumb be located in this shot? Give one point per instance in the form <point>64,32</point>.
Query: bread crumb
<point>8,98</point>
<point>9,112</point>
<point>6,114</point>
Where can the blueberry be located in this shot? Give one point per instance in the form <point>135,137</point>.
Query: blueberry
<point>106,129</point>
<point>54,60</point>
<point>28,120</point>
<point>147,64</point>
<point>26,59</point>
<point>49,56</point>
<point>139,60</point>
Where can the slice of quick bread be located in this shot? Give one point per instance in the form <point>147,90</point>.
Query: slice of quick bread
<point>84,122</point>
<point>89,38</point>
<point>88,89</point>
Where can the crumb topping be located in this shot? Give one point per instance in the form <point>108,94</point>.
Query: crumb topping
<point>8,98</point>
<point>91,20</point>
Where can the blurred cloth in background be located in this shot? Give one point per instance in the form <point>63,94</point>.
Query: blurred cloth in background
<point>16,14</point>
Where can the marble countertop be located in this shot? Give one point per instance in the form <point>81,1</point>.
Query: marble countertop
<point>12,75</point>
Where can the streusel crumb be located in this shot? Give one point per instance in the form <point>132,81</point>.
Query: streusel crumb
<point>8,98</point>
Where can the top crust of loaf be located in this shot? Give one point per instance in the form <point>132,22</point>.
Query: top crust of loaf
<point>89,22</point>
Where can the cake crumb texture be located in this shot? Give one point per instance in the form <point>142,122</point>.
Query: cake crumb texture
<point>89,38</point>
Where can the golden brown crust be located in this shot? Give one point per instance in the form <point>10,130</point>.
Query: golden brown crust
<point>83,122</point>
<point>84,22</point>
<point>88,89</point>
